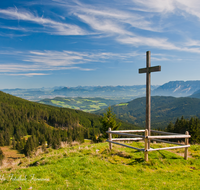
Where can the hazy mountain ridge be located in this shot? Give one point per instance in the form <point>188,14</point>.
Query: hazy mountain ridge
<point>177,88</point>
<point>195,94</point>
<point>37,94</point>
<point>172,88</point>
<point>103,91</point>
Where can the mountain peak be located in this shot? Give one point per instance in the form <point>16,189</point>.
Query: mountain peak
<point>177,88</point>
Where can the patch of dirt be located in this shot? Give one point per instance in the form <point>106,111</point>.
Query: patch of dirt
<point>12,157</point>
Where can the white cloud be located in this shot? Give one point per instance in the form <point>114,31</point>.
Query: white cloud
<point>155,5</point>
<point>28,74</point>
<point>120,24</point>
<point>117,19</point>
<point>52,26</point>
<point>146,41</point>
<point>103,26</point>
<point>190,43</point>
<point>170,6</point>
<point>33,61</point>
<point>191,7</point>
<point>16,69</point>
<point>161,43</point>
<point>40,61</point>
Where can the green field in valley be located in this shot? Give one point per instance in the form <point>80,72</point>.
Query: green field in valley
<point>92,166</point>
<point>84,104</point>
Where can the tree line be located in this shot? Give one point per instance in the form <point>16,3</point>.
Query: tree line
<point>26,125</point>
<point>20,119</point>
<point>191,125</point>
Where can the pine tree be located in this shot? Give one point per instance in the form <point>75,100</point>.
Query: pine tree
<point>69,136</point>
<point>56,141</point>
<point>18,146</point>
<point>29,147</point>
<point>170,127</point>
<point>6,138</point>
<point>41,139</point>
<point>108,121</point>
<point>13,142</point>
<point>194,130</point>
<point>44,147</point>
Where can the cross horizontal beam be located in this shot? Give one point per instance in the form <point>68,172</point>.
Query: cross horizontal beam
<point>151,69</point>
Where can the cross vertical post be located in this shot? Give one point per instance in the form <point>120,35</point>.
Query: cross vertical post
<point>148,71</point>
<point>148,95</point>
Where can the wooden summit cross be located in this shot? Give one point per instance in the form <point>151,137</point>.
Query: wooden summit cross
<point>148,71</point>
<point>147,136</point>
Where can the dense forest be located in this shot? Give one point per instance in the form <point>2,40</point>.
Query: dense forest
<point>163,110</point>
<point>25,125</point>
<point>19,118</point>
<point>181,125</point>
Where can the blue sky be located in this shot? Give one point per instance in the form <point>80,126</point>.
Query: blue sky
<point>48,43</point>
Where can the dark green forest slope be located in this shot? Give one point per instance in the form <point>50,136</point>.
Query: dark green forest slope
<point>163,110</point>
<point>181,125</point>
<point>19,117</point>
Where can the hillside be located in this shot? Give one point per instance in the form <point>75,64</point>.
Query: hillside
<point>177,88</point>
<point>84,104</point>
<point>196,94</point>
<point>92,166</point>
<point>163,110</point>
<point>19,117</point>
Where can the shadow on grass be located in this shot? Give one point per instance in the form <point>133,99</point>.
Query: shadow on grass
<point>169,155</point>
<point>136,161</point>
<point>162,154</point>
<point>123,154</point>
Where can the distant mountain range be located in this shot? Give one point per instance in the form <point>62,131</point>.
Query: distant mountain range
<point>163,110</point>
<point>196,94</point>
<point>103,91</point>
<point>172,88</point>
<point>177,88</point>
<point>130,92</point>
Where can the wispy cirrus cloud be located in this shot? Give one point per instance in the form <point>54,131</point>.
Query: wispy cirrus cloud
<point>170,6</point>
<point>120,24</point>
<point>154,6</point>
<point>112,20</point>
<point>18,68</point>
<point>192,43</point>
<point>161,43</point>
<point>51,26</point>
<point>28,74</point>
<point>39,61</point>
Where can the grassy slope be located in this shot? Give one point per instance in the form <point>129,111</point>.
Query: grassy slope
<point>84,167</point>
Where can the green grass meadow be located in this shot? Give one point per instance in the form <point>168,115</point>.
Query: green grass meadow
<point>84,104</point>
<point>93,166</point>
